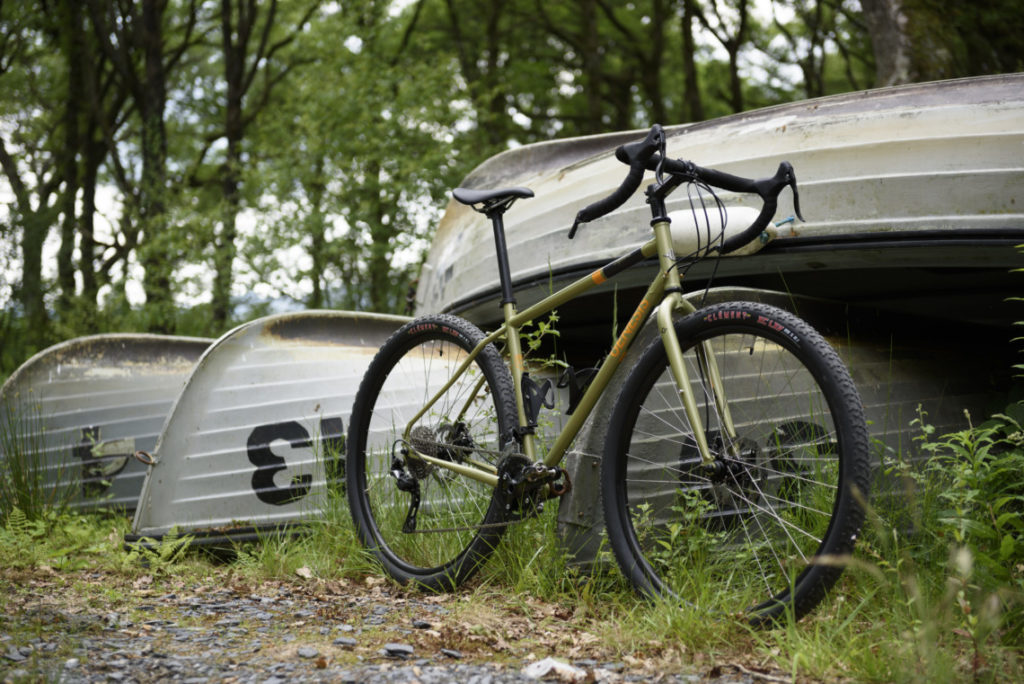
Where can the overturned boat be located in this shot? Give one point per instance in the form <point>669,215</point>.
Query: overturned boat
<point>79,411</point>
<point>258,430</point>
<point>912,196</point>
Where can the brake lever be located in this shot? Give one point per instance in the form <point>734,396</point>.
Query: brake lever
<point>575,226</point>
<point>659,176</point>
<point>796,195</point>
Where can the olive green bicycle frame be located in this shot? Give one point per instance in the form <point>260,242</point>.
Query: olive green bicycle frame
<point>665,291</point>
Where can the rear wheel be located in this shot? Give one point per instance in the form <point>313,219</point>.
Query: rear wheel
<point>754,531</point>
<point>425,522</point>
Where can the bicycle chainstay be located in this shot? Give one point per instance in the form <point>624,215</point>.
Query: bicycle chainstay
<point>520,481</point>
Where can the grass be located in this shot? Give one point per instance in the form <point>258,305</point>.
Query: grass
<point>933,594</point>
<point>25,483</point>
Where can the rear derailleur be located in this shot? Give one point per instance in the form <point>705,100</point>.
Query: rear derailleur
<point>449,443</point>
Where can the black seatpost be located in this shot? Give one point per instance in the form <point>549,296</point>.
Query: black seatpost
<point>501,250</point>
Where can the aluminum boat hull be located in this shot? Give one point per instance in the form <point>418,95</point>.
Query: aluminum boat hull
<point>908,191</point>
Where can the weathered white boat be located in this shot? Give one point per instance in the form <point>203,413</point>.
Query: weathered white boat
<point>259,428</point>
<point>82,408</point>
<point>907,191</point>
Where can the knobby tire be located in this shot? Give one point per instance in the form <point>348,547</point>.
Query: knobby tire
<point>765,530</point>
<point>456,524</point>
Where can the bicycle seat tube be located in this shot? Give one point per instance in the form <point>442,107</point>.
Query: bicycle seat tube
<point>512,343</point>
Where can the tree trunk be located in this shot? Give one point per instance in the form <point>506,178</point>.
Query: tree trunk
<point>154,251</point>
<point>378,263</point>
<point>592,75</point>
<point>234,40</point>
<point>72,37</point>
<point>35,225</point>
<point>732,42</point>
<point>889,41</point>
<point>911,40</point>
<point>318,234</point>
<point>650,75</point>
<point>94,152</point>
<point>693,104</point>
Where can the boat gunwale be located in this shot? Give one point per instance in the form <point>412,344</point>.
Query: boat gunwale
<point>989,238</point>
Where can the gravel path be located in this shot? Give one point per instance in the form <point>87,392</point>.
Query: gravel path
<point>274,633</point>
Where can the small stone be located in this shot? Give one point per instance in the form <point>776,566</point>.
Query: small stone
<point>398,650</point>
<point>14,655</point>
<point>71,663</point>
<point>452,653</point>
<point>347,642</point>
<point>421,624</point>
<point>344,628</point>
<point>308,652</point>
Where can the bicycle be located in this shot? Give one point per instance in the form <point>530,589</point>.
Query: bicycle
<point>737,442</point>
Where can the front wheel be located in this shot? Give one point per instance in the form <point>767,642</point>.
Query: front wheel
<point>425,522</point>
<point>759,529</point>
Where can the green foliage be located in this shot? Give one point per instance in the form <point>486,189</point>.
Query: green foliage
<point>945,563</point>
<point>158,557</point>
<point>356,120</point>
<point>28,483</point>
<point>19,538</point>
<point>62,541</point>
<point>976,476</point>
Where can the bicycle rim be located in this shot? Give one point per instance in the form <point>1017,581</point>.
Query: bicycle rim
<point>440,540</point>
<point>750,533</point>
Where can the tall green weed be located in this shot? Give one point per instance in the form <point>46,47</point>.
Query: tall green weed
<point>977,475</point>
<point>27,482</point>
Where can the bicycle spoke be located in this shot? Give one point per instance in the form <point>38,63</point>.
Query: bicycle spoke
<point>748,524</point>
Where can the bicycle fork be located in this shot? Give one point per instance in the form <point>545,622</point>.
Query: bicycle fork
<point>707,365</point>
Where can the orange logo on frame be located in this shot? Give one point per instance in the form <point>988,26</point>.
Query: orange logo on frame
<point>598,276</point>
<point>631,327</point>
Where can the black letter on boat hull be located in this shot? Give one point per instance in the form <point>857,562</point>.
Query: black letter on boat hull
<point>269,464</point>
